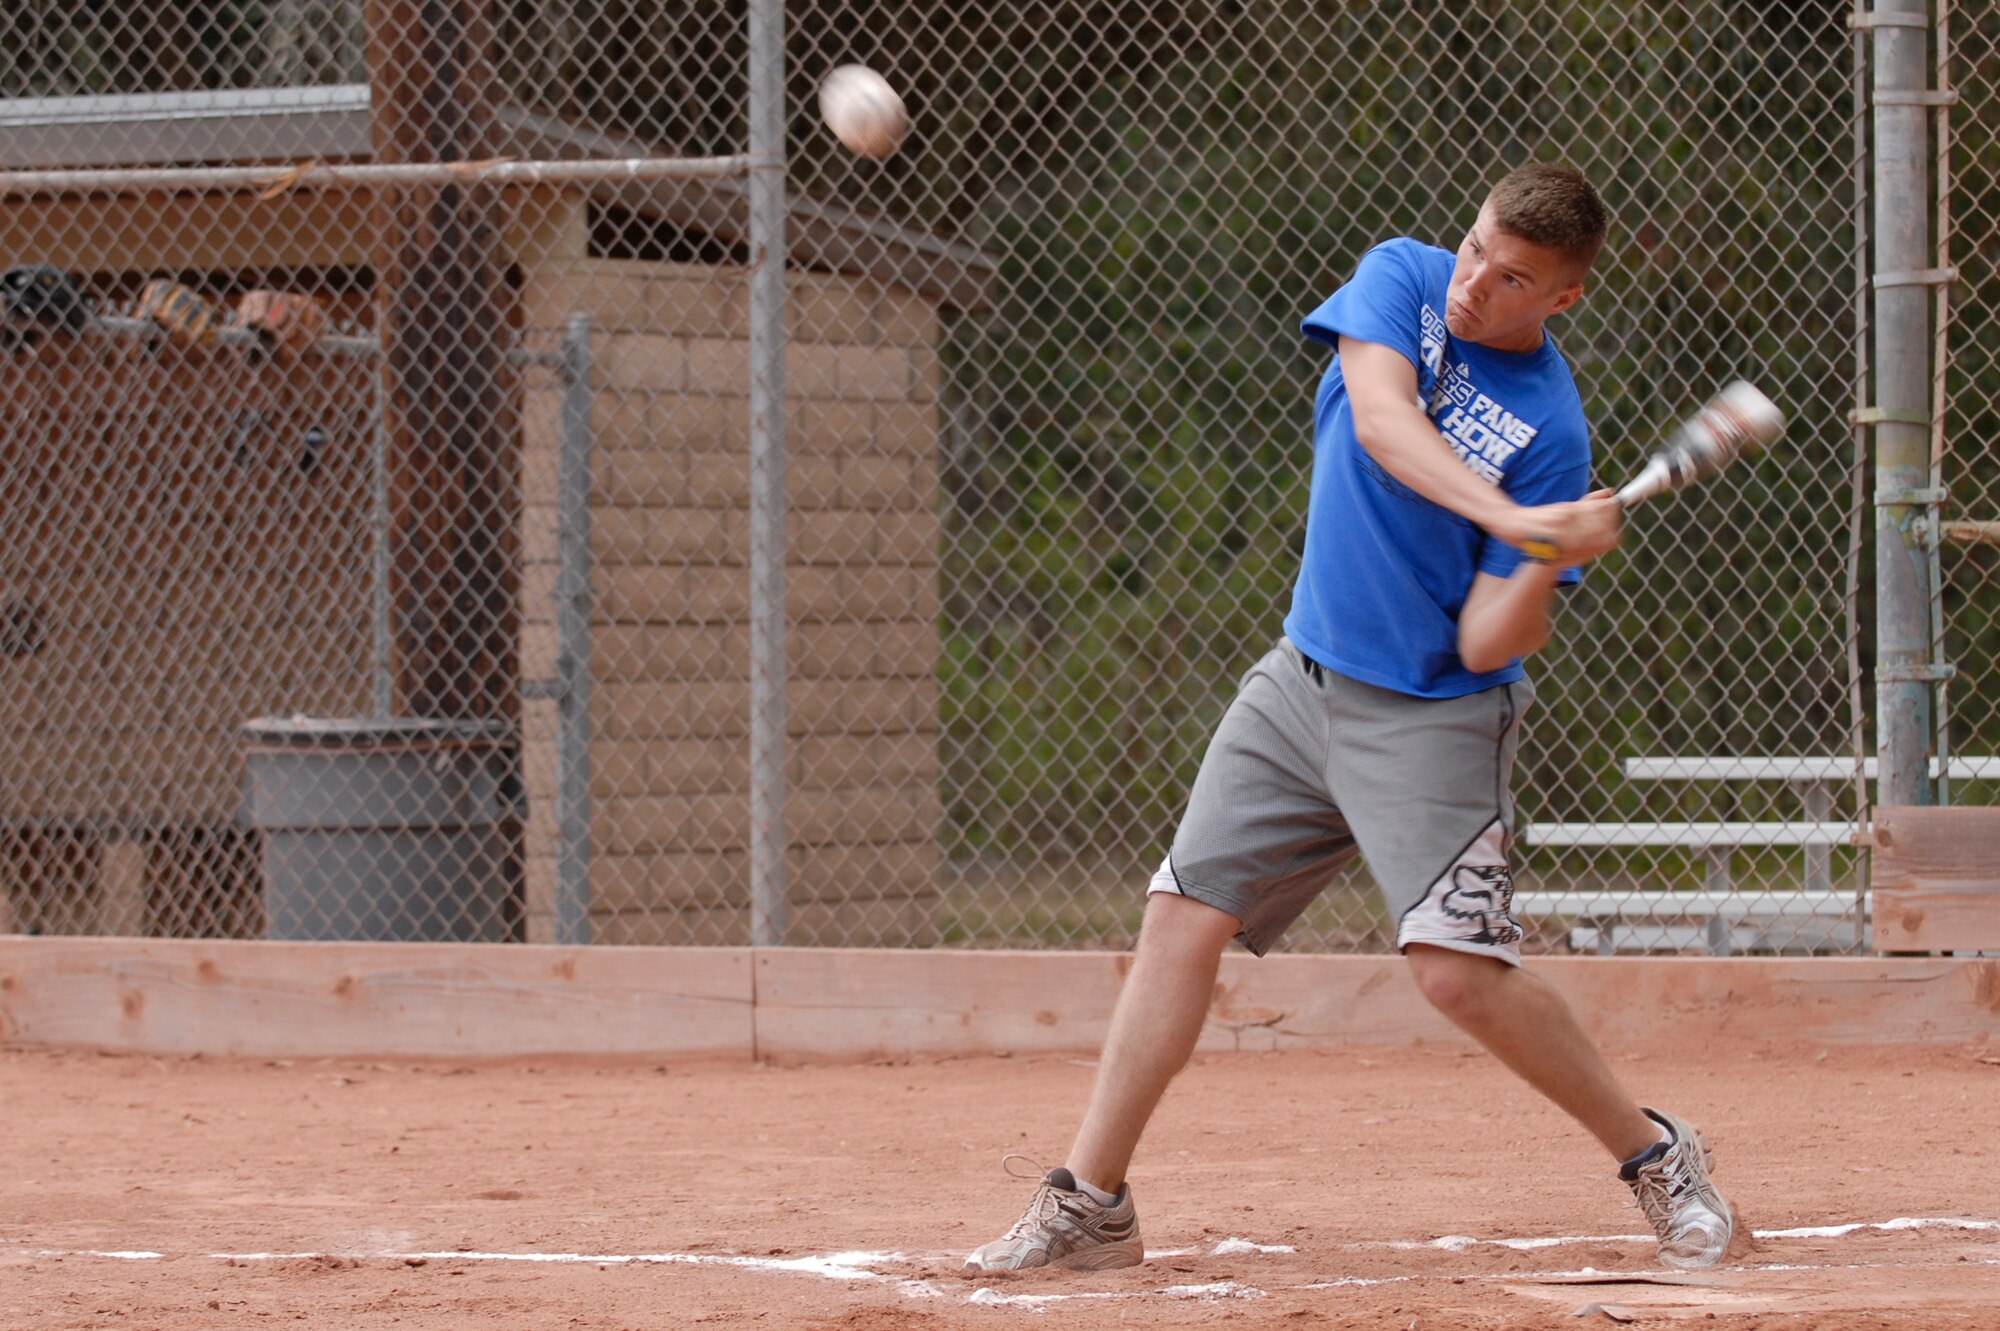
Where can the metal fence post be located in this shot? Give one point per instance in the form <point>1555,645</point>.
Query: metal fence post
<point>767,472</point>
<point>1857,716</point>
<point>573,483</point>
<point>1904,672</point>
<point>382,678</point>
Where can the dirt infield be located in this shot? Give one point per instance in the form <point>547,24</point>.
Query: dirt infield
<point>1364,1187</point>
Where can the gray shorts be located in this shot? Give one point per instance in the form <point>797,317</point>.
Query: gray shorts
<point>1309,768</point>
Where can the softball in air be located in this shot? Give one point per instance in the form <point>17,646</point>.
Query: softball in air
<point>862,110</point>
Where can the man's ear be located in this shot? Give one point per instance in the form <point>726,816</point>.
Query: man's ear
<point>1567,297</point>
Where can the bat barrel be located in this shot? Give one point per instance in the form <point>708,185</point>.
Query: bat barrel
<point>1757,415</point>
<point>1735,421</point>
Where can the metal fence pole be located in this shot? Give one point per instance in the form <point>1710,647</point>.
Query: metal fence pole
<point>573,483</point>
<point>1857,722</point>
<point>1904,672</point>
<point>381,674</point>
<point>363,176</point>
<point>1940,399</point>
<point>767,472</point>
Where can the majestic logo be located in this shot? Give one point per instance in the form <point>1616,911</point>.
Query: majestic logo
<point>1483,892</point>
<point>1431,338</point>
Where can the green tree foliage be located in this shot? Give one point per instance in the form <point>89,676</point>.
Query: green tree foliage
<point>1133,447</point>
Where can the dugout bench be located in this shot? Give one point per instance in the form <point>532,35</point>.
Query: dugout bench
<point>1718,917</point>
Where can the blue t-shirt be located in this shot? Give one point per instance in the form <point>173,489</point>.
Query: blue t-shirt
<point>1386,571</point>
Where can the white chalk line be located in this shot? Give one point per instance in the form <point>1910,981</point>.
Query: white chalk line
<point>1461,1242</point>
<point>865,1265</point>
<point>1222,1289</point>
<point>1235,1289</point>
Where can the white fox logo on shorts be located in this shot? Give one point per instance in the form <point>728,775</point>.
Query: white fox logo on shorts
<point>1483,892</point>
<point>1471,903</point>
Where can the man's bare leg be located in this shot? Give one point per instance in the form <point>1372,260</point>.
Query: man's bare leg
<point>1526,1024</point>
<point>1153,1030</point>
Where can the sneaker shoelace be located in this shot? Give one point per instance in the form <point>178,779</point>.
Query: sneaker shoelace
<point>1041,1209</point>
<point>1662,1185</point>
<point>1043,1206</point>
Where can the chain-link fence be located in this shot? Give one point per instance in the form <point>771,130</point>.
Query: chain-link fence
<point>489,580</point>
<point>1968,401</point>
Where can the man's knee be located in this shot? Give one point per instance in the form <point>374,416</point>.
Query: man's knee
<point>1177,923</point>
<point>1461,985</point>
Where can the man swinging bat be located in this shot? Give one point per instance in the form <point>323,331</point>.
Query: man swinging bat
<point>1449,500</point>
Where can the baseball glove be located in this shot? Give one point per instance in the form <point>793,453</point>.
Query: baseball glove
<point>37,299</point>
<point>180,312</point>
<point>285,322</point>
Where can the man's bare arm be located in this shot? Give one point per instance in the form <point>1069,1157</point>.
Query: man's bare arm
<point>1505,618</point>
<point>1382,391</point>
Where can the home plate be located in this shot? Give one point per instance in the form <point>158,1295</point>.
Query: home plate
<point>1654,1295</point>
<point>1833,1288</point>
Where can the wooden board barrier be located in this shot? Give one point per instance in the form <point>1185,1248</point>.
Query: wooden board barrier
<point>470,1000</point>
<point>1936,879</point>
<point>815,1004</point>
<point>413,1000</point>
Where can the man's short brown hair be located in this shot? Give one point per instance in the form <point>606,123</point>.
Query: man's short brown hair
<point>1552,205</point>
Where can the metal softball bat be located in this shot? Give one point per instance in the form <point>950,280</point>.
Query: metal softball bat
<point>1736,421</point>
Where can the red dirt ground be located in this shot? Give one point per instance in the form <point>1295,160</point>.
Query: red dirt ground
<point>362,1195</point>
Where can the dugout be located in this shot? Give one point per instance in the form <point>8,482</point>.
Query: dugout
<point>191,534</point>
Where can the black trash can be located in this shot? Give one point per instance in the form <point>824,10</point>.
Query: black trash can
<point>386,829</point>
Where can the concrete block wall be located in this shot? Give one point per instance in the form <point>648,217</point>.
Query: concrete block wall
<point>670,589</point>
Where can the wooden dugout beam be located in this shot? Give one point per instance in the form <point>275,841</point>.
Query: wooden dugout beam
<point>451,405</point>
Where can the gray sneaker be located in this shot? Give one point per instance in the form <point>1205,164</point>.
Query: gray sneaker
<point>1671,1181</point>
<point>1064,1227</point>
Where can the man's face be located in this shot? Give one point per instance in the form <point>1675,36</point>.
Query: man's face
<point>1502,287</point>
